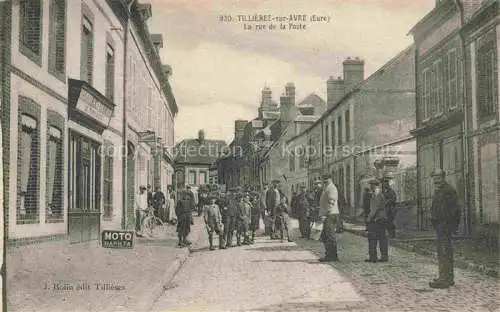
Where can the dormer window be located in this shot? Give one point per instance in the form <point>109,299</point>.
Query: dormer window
<point>144,10</point>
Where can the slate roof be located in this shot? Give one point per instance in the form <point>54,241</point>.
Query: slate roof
<point>192,151</point>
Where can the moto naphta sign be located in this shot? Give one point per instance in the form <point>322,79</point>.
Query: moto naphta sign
<point>117,239</point>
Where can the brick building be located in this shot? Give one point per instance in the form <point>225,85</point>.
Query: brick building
<point>363,115</point>
<point>63,120</point>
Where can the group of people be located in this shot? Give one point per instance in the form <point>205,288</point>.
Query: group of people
<point>161,204</point>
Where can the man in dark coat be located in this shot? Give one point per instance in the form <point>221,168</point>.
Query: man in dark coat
<point>230,218</point>
<point>255,214</point>
<point>183,210</point>
<point>445,214</point>
<point>158,203</point>
<point>367,195</point>
<point>390,198</point>
<point>377,225</point>
<point>150,196</point>
<point>303,212</point>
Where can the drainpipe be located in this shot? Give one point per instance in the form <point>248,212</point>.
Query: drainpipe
<point>124,118</point>
<point>465,126</point>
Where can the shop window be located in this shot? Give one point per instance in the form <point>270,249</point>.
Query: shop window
<point>28,171</point>
<point>327,139</point>
<point>333,134</point>
<point>203,178</point>
<point>57,38</point>
<point>55,176</point>
<point>339,125</point>
<point>30,29</point>
<point>347,126</point>
<point>87,50</point>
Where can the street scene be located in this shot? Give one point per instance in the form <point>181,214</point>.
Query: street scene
<point>163,155</point>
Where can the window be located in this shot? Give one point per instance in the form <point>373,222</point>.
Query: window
<point>110,72</point>
<point>327,139</point>
<point>192,177</point>
<point>28,170</point>
<point>438,67</point>
<point>54,185</point>
<point>108,183</point>
<point>30,29</point>
<point>339,125</point>
<point>87,53</point>
<point>348,185</point>
<point>347,126</point>
<point>57,38</point>
<point>203,177</point>
<point>302,158</point>
<point>433,92</point>
<point>452,79</point>
<point>291,161</point>
<point>333,134</point>
<point>425,81</point>
<point>487,75</point>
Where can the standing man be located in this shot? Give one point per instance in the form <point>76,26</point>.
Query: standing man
<point>141,205</point>
<point>377,225</point>
<point>283,212</point>
<point>158,203</point>
<point>272,202</point>
<point>183,210</point>
<point>230,218</point>
<point>256,212</point>
<point>244,209</point>
<point>329,213</point>
<point>445,214</point>
<point>390,198</point>
<point>213,220</point>
<point>150,196</point>
<point>303,212</point>
<point>367,197</point>
<point>263,209</point>
<point>315,198</point>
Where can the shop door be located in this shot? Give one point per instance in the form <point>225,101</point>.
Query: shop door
<point>84,212</point>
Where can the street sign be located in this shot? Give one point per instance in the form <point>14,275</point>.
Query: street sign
<point>117,239</point>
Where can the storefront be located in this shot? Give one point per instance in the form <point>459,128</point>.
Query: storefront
<point>90,113</point>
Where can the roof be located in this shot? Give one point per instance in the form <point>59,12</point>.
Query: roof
<point>270,114</point>
<point>312,99</point>
<point>306,118</point>
<point>194,151</point>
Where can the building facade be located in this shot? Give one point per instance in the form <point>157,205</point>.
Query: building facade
<point>481,31</point>
<point>364,117</point>
<point>457,111</point>
<point>62,116</point>
<point>195,159</point>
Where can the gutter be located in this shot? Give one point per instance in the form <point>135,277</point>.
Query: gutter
<point>124,118</point>
<point>465,126</point>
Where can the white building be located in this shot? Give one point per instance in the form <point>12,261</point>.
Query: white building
<point>64,116</point>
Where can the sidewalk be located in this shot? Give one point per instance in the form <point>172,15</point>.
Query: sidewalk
<point>465,256</point>
<point>58,276</point>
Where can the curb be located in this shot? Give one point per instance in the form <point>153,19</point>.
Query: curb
<point>480,268</point>
<point>159,288</point>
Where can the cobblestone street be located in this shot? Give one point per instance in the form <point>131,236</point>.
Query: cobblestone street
<point>274,276</point>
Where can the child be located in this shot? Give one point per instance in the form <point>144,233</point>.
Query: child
<point>213,220</point>
<point>243,219</point>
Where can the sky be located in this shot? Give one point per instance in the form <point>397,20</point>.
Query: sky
<point>219,67</point>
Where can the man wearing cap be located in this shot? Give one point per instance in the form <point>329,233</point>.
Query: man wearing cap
<point>303,212</point>
<point>314,201</point>
<point>272,201</point>
<point>183,210</point>
<point>377,225</point>
<point>445,218</point>
<point>329,213</point>
<point>263,209</point>
<point>213,219</point>
<point>230,218</point>
<point>390,198</point>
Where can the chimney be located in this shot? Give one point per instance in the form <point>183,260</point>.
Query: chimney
<point>201,136</point>
<point>290,92</point>
<point>353,73</point>
<point>144,10</point>
<point>157,40</point>
<point>267,98</point>
<point>239,129</point>
<point>287,111</point>
<point>334,91</point>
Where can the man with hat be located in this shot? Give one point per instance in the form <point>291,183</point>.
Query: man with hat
<point>390,198</point>
<point>329,213</point>
<point>230,217</point>
<point>273,199</point>
<point>263,209</point>
<point>377,225</point>
<point>141,206</point>
<point>314,201</point>
<point>303,212</point>
<point>445,217</point>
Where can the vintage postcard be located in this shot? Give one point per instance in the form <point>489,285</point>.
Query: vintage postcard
<point>259,155</point>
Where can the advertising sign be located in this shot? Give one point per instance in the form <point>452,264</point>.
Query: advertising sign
<point>117,239</point>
